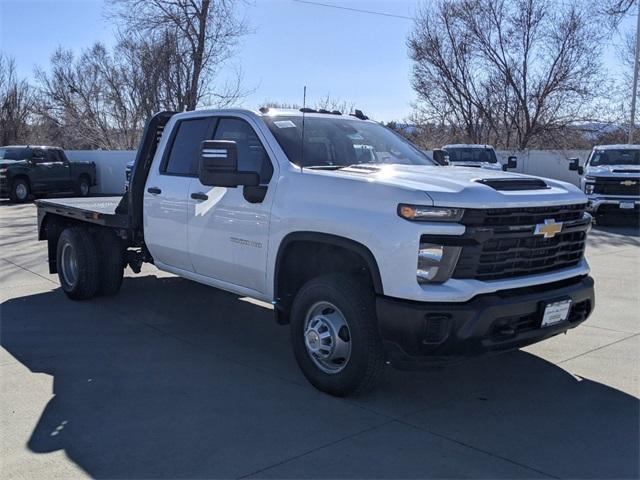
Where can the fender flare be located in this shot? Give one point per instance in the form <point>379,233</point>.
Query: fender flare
<point>329,239</point>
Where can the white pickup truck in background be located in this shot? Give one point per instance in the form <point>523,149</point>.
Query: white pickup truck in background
<point>473,155</point>
<point>611,179</point>
<point>371,252</point>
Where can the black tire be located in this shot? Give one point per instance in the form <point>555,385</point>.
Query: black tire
<point>83,284</point>
<point>20,191</point>
<point>83,186</point>
<point>110,262</point>
<point>356,303</point>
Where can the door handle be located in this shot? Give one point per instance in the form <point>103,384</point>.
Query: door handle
<point>154,190</point>
<point>199,196</point>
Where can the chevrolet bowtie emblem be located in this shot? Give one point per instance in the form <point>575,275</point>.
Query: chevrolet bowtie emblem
<point>628,183</point>
<point>549,228</point>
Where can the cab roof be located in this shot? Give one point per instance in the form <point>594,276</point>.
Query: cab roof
<point>469,145</point>
<point>43,147</point>
<point>620,146</point>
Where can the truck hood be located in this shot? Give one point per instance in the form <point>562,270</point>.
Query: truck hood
<point>463,187</point>
<point>613,170</point>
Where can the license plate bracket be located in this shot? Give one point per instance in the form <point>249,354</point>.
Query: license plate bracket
<point>556,312</point>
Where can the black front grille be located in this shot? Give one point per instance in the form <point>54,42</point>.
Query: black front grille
<point>617,186</point>
<point>524,255</point>
<point>501,243</point>
<point>499,217</point>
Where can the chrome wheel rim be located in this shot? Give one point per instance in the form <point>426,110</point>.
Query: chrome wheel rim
<point>84,188</point>
<point>69,265</point>
<point>327,338</point>
<point>21,191</point>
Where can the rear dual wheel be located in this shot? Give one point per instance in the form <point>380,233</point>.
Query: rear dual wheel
<point>89,264</point>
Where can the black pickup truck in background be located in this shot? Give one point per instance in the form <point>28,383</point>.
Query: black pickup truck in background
<point>31,170</point>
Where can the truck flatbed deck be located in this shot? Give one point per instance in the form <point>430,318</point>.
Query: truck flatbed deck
<point>98,210</point>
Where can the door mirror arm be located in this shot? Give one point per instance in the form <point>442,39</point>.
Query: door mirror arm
<point>254,194</point>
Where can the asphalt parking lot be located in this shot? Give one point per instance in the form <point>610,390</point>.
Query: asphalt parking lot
<point>173,379</point>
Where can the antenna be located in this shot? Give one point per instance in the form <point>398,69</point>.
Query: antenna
<point>304,108</point>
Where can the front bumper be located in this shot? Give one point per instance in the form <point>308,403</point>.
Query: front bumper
<point>417,334</point>
<point>611,204</point>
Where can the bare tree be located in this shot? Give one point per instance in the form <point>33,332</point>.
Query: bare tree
<point>16,103</point>
<point>204,35</point>
<point>335,104</point>
<point>101,99</point>
<point>507,71</point>
<point>615,10</point>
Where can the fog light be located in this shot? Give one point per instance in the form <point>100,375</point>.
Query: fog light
<point>436,262</point>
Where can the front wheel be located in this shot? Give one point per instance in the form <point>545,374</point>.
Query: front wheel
<point>334,335</point>
<point>19,191</point>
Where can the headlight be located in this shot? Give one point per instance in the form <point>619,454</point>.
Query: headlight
<point>436,262</point>
<point>589,178</point>
<point>429,214</point>
<point>588,188</point>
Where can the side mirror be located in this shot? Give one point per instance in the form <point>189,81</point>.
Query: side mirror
<point>512,162</point>
<point>219,166</point>
<point>441,157</point>
<point>574,165</point>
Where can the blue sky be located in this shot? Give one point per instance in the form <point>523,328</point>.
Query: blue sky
<point>351,56</point>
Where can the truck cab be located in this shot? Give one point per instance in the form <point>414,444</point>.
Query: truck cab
<point>476,156</point>
<point>611,179</point>
<point>372,253</point>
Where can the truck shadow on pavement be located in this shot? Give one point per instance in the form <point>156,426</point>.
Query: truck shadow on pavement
<point>173,379</point>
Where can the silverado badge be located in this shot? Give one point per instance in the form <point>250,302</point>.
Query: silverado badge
<point>628,183</point>
<point>549,228</point>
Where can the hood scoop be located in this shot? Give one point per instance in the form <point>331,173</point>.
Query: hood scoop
<point>514,184</point>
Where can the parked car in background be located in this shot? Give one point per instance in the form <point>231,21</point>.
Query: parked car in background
<point>40,170</point>
<point>611,179</point>
<point>474,155</point>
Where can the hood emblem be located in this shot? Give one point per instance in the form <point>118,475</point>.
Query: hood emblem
<point>628,183</point>
<point>549,228</point>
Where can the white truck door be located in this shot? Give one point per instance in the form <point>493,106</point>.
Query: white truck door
<point>166,196</point>
<point>229,227</point>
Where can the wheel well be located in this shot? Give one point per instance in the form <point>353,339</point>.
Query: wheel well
<point>21,176</point>
<point>50,229</point>
<point>306,255</point>
<point>85,175</point>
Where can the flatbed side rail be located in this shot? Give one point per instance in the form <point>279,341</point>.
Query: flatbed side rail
<point>79,213</point>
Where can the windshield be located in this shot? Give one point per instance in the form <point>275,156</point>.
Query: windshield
<point>615,157</point>
<point>339,141</point>
<point>486,155</point>
<point>13,153</point>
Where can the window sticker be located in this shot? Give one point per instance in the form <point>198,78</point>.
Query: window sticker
<point>285,124</point>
